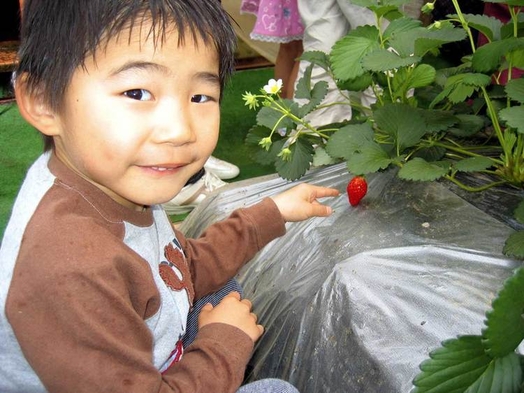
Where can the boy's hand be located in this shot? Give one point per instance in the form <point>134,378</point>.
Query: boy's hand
<point>300,202</point>
<point>232,311</point>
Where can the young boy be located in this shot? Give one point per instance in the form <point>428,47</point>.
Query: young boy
<point>95,284</point>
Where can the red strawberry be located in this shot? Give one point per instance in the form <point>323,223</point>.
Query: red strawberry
<point>356,189</point>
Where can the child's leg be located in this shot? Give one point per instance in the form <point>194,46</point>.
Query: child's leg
<point>213,298</point>
<point>264,385</point>
<point>268,386</point>
<point>286,66</point>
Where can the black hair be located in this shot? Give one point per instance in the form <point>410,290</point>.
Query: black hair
<point>58,35</point>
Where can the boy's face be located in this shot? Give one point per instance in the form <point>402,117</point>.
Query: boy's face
<point>139,121</point>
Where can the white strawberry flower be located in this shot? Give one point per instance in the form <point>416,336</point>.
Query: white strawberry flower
<point>273,86</point>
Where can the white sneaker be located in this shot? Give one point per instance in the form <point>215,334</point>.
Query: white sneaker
<point>223,169</point>
<point>193,194</point>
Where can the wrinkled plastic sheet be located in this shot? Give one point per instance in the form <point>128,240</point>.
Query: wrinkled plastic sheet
<point>356,301</point>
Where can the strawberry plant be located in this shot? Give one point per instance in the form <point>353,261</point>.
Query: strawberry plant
<point>429,122</point>
<point>486,363</point>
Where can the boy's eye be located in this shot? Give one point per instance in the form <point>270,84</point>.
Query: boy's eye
<point>200,98</point>
<point>138,94</point>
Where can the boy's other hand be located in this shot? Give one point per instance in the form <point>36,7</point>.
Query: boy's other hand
<point>300,202</point>
<point>232,311</point>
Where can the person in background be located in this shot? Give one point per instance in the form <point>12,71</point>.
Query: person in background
<point>96,285</point>
<point>278,21</point>
<point>325,22</point>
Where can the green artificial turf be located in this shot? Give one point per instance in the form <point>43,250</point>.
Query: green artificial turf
<point>21,144</point>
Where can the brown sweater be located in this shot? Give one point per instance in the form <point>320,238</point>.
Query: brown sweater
<point>99,294</point>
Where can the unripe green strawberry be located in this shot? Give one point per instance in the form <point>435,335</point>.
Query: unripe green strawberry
<point>356,189</point>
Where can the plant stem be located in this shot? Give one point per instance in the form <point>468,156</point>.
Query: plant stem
<point>464,24</point>
<point>462,151</point>
<point>491,109</point>
<point>332,104</point>
<point>513,11</point>
<point>474,189</point>
<point>496,125</point>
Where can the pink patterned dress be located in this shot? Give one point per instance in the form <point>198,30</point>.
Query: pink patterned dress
<point>277,20</point>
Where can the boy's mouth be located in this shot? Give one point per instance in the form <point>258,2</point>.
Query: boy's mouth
<point>162,169</point>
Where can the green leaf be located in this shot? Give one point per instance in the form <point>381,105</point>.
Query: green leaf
<point>509,141</point>
<point>271,118</point>
<point>369,3</point>
<point>299,163</point>
<point>381,60</point>
<point>516,3</point>
<point>404,41</point>
<point>408,78</point>
<point>487,25</point>
<point>422,75</point>
<point>433,153</point>
<point>261,155</point>
<point>389,13</point>
<point>519,212</point>
<point>488,57</point>
<point>401,25</point>
<point>349,139</point>
<point>514,246</point>
<point>516,58</point>
<point>318,58</point>
<point>255,134</point>
<point>321,157</point>
<point>317,96</point>
<point>303,89</point>
<point>473,164</point>
<point>503,375</point>
<point>461,365</point>
<point>514,117</point>
<point>453,367</point>
<point>467,125</point>
<point>421,41</point>
<point>438,120</point>
<point>402,123</point>
<point>356,84</point>
<point>515,90</point>
<point>270,157</point>
<point>471,79</point>
<point>346,53</point>
<point>461,93</point>
<point>434,39</point>
<point>458,88</point>
<point>418,169</point>
<point>505,324</point>
<point>381,7</point>
<point>369,159</point>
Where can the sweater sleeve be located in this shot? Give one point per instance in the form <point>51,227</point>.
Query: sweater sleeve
<point>215,362</point>
<point>81,327</point>
<point>217,255</point>
<point>78,301</point>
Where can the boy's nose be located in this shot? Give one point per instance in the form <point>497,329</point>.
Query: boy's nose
<point>174,124</point>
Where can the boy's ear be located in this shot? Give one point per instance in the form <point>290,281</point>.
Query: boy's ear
<point>34,108</point>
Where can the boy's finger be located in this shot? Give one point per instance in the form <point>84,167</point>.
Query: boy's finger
<point>320,210</point>
<point>234,294</point>
<point>247,302</point>
<point>321,192</point>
